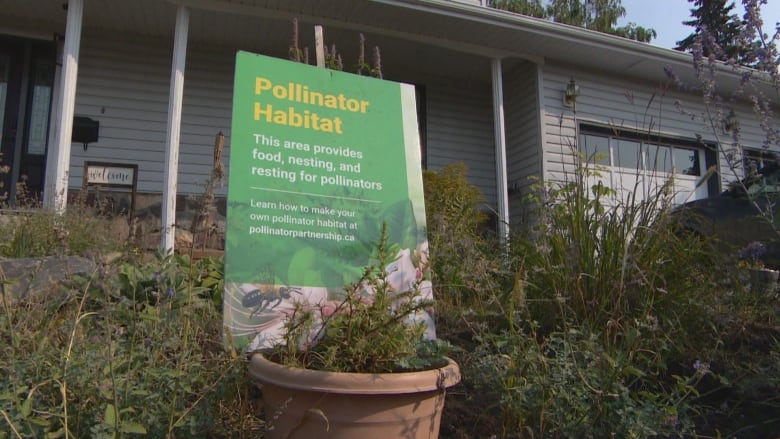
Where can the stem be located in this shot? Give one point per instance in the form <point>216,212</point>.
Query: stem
<point>71,340</point>
<point>10,424</point>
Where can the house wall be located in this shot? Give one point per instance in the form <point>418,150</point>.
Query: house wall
<point>460,129</point>
<point>124,84</point>
<point>643,107</point>
<point>523,133</point>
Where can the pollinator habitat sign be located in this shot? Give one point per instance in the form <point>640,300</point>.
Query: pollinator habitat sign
<point>319,160</point>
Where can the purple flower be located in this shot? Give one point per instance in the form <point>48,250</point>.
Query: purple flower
<point>701,367</point>
<point>753,251</point>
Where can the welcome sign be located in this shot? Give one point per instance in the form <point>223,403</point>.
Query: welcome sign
<point>319,160</point>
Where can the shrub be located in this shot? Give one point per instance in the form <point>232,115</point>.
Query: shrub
<point>465,261</point>
<point>136,350</point>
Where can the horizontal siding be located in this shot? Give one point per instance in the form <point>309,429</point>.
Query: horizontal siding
<point>125,86</point>
<point>641,107</point>
<point>522,134</point>
<point>460,129</point>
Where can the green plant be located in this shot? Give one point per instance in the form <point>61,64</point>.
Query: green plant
<point>593,259</point>
<point>464,259</point>
<point>376,327</point>
<point>136,349</point>
<point>40,232</point>
<point>567,385</point>
<point>590,327</point>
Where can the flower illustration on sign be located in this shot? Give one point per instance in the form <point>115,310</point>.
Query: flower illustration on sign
<point>272,306</point>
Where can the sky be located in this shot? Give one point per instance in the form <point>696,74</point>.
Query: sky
<point>666,17</point>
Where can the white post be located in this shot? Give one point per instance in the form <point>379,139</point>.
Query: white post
<point>499,132</point>
<point>55,195</point>
<point>319,45</point>
<point>51,158</point>
<point>168,220</point>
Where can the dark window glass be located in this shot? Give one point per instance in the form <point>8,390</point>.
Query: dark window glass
<point>596,149</point>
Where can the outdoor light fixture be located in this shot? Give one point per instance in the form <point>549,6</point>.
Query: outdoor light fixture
<point>731,123</point>
<point>571,94</point>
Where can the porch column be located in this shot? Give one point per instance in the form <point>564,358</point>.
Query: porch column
<point>499,132</point>
<point>168,226</point>
<point>55,194</point>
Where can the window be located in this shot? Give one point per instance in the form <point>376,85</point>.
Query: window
<point>635,152</point>
<point>755,159</point>
<point>39,105</point>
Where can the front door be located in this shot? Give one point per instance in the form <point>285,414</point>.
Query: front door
<point>26,77</point>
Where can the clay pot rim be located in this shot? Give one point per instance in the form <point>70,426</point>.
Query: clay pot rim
<point>265,371</point>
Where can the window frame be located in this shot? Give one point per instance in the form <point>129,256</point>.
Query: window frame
<point>645,142</point>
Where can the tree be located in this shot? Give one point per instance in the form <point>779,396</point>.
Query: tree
<point>717,31</point>
<point>634,32</point>
<point>598,15</point>
<point>533,8</point>
<point>571,12</point>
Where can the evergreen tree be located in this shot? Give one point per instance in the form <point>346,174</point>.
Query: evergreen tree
<point>719,31</point>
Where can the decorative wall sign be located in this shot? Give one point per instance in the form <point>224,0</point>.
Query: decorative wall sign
<point>117,177</point>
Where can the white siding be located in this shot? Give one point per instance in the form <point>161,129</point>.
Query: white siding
<point>523,133</point>
<point>641,107</point>
<point>460,129</point>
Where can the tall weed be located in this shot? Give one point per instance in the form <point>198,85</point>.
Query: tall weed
<point>594,260</point>
<point>39,232</point>
<point>132,351</point>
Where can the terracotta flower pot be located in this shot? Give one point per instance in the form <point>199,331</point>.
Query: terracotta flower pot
<point>302,403</point>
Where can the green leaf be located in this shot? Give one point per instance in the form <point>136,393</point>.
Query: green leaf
<point>110,415</point>
<point>41,422</point>
<point>55,434</point>
<point>26,408</point>
<point>132,428</point>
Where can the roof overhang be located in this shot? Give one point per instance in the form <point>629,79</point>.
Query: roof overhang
<point>459,37</point>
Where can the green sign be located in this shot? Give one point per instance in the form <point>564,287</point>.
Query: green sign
<point>319,160</point>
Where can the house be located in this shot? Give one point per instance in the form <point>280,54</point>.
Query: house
<point>492,86</point>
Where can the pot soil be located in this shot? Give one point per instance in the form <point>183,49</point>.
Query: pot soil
<point>303,403</point>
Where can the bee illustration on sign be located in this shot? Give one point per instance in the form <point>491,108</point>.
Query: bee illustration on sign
<point>267,297</point>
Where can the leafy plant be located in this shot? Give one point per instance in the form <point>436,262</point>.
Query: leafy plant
<point>376,327</point>
<point>136,349</point>
<point>464,259</point>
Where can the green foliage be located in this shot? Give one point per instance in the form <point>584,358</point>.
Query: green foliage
<point>534,8</point>
<point>717,32</point>
<point>463,258</point>
<point>160,280</point>
<point>568,385</point>
<point>598,15</point>
<point>603,322</point>
<point>375,329</point>
<point>135,351</point>
<point>39,232</point>
<point>596,260</point>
